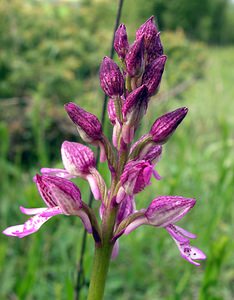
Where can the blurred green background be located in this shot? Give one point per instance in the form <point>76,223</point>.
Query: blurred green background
<point>50,53</point>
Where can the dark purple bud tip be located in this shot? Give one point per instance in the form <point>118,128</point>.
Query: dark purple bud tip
<point>111,79</point>
<point>121,41</point>
<point>164,126</point>
<point>88,125</point>
<point>148,28</point>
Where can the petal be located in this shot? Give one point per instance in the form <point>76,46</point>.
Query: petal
<point>94,187</point>
<point>115,136</point>
<point>32,211</point>
<point>121,195</point>
<point>156,175</point>
<point>185,233</point>
<point>147,173</point>
<point>50,212</point>
<point>115,250</point>
<point>135,224</point>
<point>57,172</point>
<point>102,152</point>
<point>86,221</point>
<point>31,225</point>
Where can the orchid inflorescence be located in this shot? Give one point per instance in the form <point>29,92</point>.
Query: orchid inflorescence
<point>131,165</point>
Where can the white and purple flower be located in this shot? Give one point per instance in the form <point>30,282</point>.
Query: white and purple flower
<point>61,196</point>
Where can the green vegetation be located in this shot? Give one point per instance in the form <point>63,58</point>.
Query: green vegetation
<point>44,67</point>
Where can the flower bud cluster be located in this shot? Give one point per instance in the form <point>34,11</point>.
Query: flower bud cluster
<point>129,88</point>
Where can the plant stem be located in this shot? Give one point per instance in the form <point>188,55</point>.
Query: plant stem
<point>99,272</point>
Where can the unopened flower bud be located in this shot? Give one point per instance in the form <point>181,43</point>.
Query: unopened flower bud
<point>78,159</point>
<point>148,29</point>
<point>165,210</point>
<point>121,41</point>
<point>155,49</point>
<point>111,79</point>
<point>135,58</point>
<point>133,110</point>
<point>153,74</point>
<point>153,46</point>
<point>61,192</point>
<point>88,125</point>
<point>164,126</point>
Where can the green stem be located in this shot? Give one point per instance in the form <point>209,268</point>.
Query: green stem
<point>99,272</point>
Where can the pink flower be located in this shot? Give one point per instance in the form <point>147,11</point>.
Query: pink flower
<point>60,196</point>
<point>164,211</point>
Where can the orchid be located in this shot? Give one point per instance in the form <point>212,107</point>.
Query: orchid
<point>131,163</point>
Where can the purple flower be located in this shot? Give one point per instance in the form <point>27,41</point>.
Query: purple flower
<point>88,125</point>
<point>153,46</point>
<point>79,161</point>
<point>135,177</point>
<point>153,74</point>
<point>134,108</point>
<point>135,58</point>
<point>165,125</point>
<point>121,41</point>
<point>111,79</point>
<point>164,211</point>
<point>60,196</point>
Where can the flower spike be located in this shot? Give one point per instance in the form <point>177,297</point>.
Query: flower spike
<point>131,167</point>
